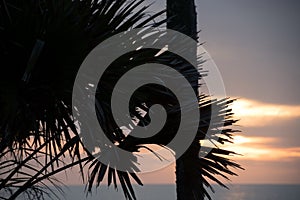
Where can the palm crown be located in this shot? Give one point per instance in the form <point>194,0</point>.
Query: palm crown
<point>43,43</point>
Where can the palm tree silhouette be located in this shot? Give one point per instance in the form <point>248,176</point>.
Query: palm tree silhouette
<point>183,18</point>
<point>43,43</point>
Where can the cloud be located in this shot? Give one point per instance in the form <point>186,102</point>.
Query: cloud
<point>260,148</point>
<point>253,113</point>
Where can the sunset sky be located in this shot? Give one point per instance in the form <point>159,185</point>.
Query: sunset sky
<point>256,46</point>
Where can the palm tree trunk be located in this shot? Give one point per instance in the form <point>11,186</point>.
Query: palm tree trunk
<point>182,17</point>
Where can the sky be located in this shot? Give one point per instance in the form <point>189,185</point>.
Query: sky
<point>256,46</point>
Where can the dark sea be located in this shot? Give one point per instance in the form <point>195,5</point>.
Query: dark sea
<point>167,192</point>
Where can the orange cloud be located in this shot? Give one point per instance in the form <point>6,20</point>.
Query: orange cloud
<point>254,113</point>
<point>258,148</point>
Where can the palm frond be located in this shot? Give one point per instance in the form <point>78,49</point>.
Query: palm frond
<point>50,39</point>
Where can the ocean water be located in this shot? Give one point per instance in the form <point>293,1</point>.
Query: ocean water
<point>167,192</point>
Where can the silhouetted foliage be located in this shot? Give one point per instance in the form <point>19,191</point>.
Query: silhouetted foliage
<point>42,45</point>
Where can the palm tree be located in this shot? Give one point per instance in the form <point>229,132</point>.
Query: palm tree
<point>190,169</point>
<point>182,17</point>
<point>50,39</point>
